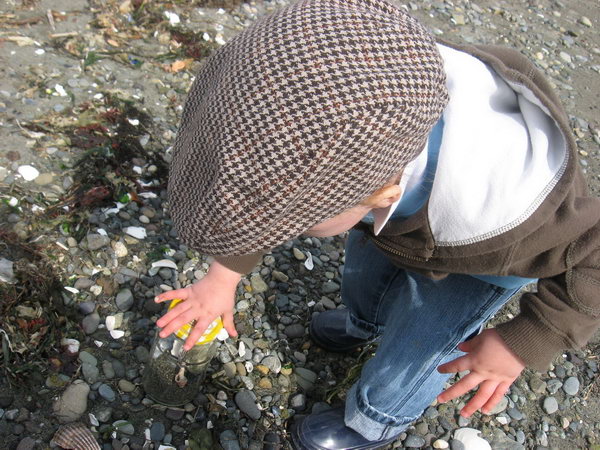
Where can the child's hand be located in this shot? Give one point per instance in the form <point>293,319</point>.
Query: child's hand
<point>204,301</point>
<point>493,366</point>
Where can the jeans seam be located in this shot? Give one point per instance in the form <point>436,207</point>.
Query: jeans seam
<point>382,297</point>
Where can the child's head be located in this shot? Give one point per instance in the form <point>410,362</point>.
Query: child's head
<point>300,117</point>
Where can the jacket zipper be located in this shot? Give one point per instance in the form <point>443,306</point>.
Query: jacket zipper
<point>399,253</point>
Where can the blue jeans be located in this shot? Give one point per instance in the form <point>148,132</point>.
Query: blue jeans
<point>420,320</point>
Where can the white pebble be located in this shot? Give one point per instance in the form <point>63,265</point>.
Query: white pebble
<point>29,173</point>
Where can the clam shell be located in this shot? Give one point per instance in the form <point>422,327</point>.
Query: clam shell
<point>75,436</point>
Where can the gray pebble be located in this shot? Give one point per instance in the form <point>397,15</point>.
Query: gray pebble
<point>107,393</point>
<point>86,308</point>
<point>87,357</point>
<point>553,385</point>
<point>124,427</point>
<point>244,400</point>
<point>175,413</point>
<point>295,330</point>
<point>414,441</point>
<point>96,241</point>
<point>142,354</point>
<point>455,444</point>
<point>157,431</point>
<point>330,287</point>
<point>298,402</point>
<point>90,372</point>
<point>108,370</point>
<point>124,300</point>
<point>571,386</point>
<point>550,405</point>
<point>126,385</point>
<point>272,362</point>
<point>229,440</point>
<point>90,323</point>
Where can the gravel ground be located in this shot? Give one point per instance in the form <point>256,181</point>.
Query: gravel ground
<point>90,97</point>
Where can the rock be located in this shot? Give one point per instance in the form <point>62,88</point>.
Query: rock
<point>90,372</point>
<point>120,249</point>
<point>500,406</point>
<point>330,287</point>
<point>107,393</point>
<point>71,405</point>
<point>585,21</point>
<point>124,300</point>
<point>86,308</point>
<point>553,385</point>
<point>258,284</point>
<point>228,440</point>
<point>298,402</point>
<point>96,241</point>
<point>126,385</point>
<point>299,254</point>
<point>294,331</point>
<point>414,441</point>
<point>500,441</point>
<point>26,443</point>
<point>175,413</point>
<point>272,363</point>
<point>565,57</point>
<point>440,443</point>
<point>537,385</point>
<point>142,354</point>
<point>90,323</point>
<point>57,380</point>
<point>107,369</point>
<point>244,400</point>
<point>550,405</point>
<point>123,427</point>
<point>571,386</point>
<point>157,431</point>
<point>280,276</point>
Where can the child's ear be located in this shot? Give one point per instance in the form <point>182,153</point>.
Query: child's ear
<point>384,197</point>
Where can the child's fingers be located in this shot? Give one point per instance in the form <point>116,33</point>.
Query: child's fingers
<point>460,387</point>
<point>459,364</point>
<point>170,295</point>
<point>485,391</point>
<point>172,314</point>
<point>198,330</point>
<point>177,323</point>
<point>228,324</point>
<point>496,397</point>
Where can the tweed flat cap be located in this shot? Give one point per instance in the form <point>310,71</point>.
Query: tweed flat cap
<point>299,117</point>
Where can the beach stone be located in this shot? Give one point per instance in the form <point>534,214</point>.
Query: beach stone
<point>87,357</point>
<point>537,385</point>
<point>414,441</point>
<point>553,385</point>
<point>157,431</point>
<point>107,393</point>
<point>298,402</point>
<point>90,372</point>
<point>175,413</point>
<point>142,354</point>
<point>83,283</point>
<point>126,385</point>
<point>299,254</point>
<point>272,363</point>
<point>330,287</point>
<point>258,284</point>
<point>26,443</point>
<point>90,323</point>
<point>294,331</point>
<point>124,427</point>
<point>440,443</point>
<point>71,405</point>
<point>245,401</point>
<point>107,369</point>
<point>96,241</point>
<point>571,386</point>
<point>500,407</point>
<point>229,440</point>
<point>550,405</point>
<point>124,300</point>
<point>86,308</point>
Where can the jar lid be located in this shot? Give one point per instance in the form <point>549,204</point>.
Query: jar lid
<point>209,335</point>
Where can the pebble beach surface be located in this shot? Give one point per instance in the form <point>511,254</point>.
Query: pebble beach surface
<point>82,77</point>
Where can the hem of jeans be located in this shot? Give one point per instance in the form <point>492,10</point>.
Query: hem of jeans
<point>366,330</point>
<point>370,428</point>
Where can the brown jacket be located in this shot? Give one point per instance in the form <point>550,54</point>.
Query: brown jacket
<point>558,243</point>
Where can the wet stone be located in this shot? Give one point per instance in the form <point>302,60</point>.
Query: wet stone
<point>157,431</point>
<point>294,331</point>
<point>414,441</point>
<point>90,323</point>
<point>107,393</point>
<point>124,300</point>
<point>550,405</point>
<point>244,400</point>
<point>571,386</point>
<point>96,241</point>
<point>228,440</point>
<point>174,413</point>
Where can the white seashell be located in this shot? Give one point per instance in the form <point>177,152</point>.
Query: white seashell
<point>60,90</point>
<point>28,172</point>
<point>13,202</point>
<point>71,290</point>
<point>110,322</point>
<point>96,290</point>
<point>173,18</point>
<point>93,420</point>
<point>117,334</point>
<point>309,263</point>
<point>147,195</point>
<point>469,437</point>
<point>137,169</point>
<point>135,123</point>
<point>222,334</point>
<point>102,232</point>
<point>242,349</point>
<point>71,344</point>
<point>249,366</point>
<point>165,263</point>
<point>136,232</point>
<point>99,343</point>
<point>165,447</point>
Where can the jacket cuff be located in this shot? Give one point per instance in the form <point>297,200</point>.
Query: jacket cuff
<point>242,264</point>
<point>534,343</point>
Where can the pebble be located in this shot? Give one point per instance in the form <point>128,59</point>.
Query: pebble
<point>272,363</point>
<point>157,431</point>
<point>244,399</point>
<point>550,405</point>
<point>294,331</point>
<point>414,441</point>
<point>258,284</point>
<point>90,323</point>
<point>229,440</point>
<point>124,427</point>
<point>124,300</point>
<point>571,386</point>
<point>107,393</point>
<point>126,386</point>
<point>71,405</point>
<point>440,443</point>
<point>96,241</point>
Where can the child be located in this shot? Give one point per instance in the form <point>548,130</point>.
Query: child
<point>453,164</point>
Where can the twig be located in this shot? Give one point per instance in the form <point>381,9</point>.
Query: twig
<point>51,19</point>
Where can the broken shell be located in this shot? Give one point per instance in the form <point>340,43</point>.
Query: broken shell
<point>75,436</point>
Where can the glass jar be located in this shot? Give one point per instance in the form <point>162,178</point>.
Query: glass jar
<point>172,375</point>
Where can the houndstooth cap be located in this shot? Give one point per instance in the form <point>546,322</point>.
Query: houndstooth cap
<point>299,117</point>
